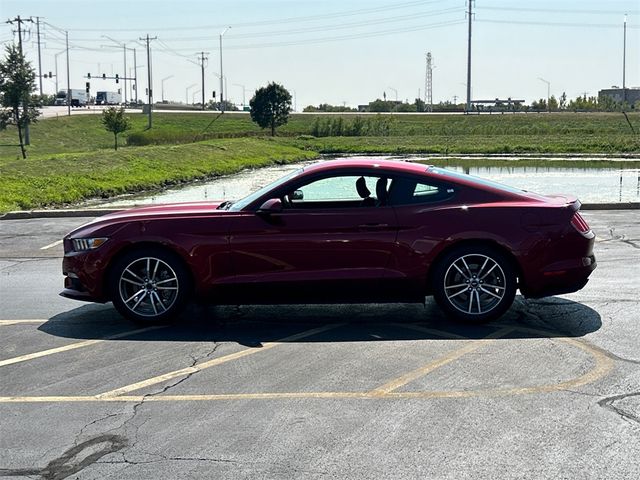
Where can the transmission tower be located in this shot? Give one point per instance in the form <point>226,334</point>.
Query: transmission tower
<point>428,85</point>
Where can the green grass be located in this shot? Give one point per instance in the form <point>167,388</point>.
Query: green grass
<point>67,178</point>
<point>561,133</point>
<point>72,158</point>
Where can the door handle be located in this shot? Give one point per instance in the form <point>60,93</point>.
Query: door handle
<point>373,226</point>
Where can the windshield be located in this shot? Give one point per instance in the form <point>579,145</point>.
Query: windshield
<point>240,204</point>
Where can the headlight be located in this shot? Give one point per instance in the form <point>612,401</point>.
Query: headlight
<point>82,244</point>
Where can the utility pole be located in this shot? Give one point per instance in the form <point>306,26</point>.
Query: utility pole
<point>428,86</point>
<point>202,65</point>
<point>470,15</point>
<point>25,101</point>
<point>624,61</point>
<point>39,54</point>
<point>135,75</point>
<point>150,86</point>
<point>66,39</point>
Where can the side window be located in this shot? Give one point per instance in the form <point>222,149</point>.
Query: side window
<point>407,191</point>
<point>331,189</point>
<point>343,191</point>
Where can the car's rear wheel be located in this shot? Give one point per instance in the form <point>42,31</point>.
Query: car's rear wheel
<point>149,286</point>
<point>474,284</point>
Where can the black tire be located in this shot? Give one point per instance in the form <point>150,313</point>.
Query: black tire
<point>474,284</point>
<point>149,286</point>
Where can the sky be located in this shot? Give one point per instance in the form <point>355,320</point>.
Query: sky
<point>336,51</point>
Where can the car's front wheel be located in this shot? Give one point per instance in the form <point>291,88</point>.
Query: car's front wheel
<point>149,286</point>
<point>474,284</point>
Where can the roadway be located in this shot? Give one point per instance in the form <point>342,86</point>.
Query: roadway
<point>552,390</point>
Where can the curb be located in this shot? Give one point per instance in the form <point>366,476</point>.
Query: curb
<point>98,212</point>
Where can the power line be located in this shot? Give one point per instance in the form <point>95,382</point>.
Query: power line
<point>308,18</point>
<point>561,10</point>
<point>556,24</point>
<point>348,37</point>
<point>320,28</point>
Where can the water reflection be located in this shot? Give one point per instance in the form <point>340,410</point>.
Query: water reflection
<point>590,185</point>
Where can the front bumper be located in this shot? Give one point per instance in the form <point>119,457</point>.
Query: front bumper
<point>84,277</point>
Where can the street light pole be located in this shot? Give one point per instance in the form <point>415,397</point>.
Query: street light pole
<point>124,48</point>
<point>243,91</point>
<point>162,85</point>
<point>221,72</point>
<point>187,92</point>
<point>548,93</point>
<point>56,63</point>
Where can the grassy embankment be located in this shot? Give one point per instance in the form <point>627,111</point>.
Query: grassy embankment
<point>71,158</point>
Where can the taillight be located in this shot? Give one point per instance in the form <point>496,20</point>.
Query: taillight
<point>579,223</point>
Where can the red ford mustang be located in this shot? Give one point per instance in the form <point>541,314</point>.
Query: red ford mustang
<point>341,232</point>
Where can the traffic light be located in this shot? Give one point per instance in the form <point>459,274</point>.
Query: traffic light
<point>117,78</point>
<point>214,94</point>
<point>89,75</point>
<point>104,76</point>
<point>50,76</point>
<point>88,86</point>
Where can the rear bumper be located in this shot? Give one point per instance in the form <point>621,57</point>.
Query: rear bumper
<point>562,277</point>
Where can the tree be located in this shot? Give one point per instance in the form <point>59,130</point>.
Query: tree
<point>17,81</point>
<point>563,101</point>
<point>270,106</point>
<point>114,121</point>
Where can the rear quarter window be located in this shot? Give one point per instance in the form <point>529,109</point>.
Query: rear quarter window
<point>409,191</point>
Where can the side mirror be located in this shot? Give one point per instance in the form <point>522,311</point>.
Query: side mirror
<point>271,206</point>
<point>297,195</point>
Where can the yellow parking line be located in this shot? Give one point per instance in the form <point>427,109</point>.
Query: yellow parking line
<point>73,346</point>
<point>602,365</point>
<point>4,323</point>
<point>211,363</point>
<point>430,367</point>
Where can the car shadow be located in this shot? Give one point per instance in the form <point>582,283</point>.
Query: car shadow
<point>254,325</point>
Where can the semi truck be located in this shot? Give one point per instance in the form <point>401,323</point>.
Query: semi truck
<point>79,97</point>
<point>108,98</point>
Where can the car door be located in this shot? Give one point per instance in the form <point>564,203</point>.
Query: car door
<point>425,221</point>
<point>327,239</point>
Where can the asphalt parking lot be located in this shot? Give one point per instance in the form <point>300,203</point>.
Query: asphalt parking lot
<point>552,390</point>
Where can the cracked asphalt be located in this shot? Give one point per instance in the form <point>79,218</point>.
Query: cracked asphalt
<point>552,390</point>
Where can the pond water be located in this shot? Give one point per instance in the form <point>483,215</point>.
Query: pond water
<point>590,185</point>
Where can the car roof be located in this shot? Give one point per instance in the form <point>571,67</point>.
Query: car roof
<point>399,166</point>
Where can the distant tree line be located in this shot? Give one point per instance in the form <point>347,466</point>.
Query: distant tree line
<point>581,103</point>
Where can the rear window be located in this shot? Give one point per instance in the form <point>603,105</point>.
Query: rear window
<point>480,181</point>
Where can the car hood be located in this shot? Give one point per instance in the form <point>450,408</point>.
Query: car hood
<point>167,209</point>
<point>151,212</point>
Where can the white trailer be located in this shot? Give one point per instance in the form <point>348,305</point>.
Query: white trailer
<point>108,98</point>
<point>79,97</point>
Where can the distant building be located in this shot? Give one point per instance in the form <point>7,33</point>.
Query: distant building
<point>630,95</point>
